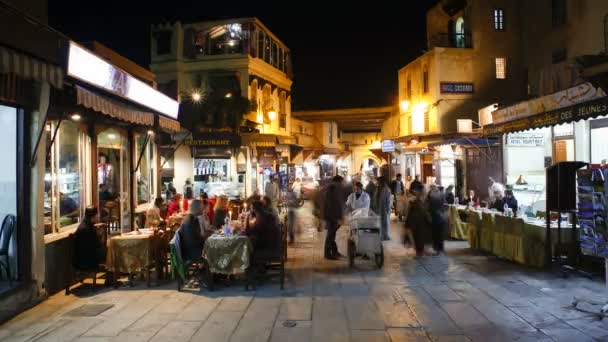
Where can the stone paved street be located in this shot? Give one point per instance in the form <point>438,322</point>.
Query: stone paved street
<point>458,297</point>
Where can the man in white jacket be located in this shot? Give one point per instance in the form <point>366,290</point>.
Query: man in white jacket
<point>358,199</point>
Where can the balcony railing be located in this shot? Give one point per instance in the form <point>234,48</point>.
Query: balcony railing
<point>455,40</point>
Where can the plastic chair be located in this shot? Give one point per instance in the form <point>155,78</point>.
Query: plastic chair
<point>6,233</point>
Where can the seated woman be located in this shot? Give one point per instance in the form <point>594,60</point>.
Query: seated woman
<point>264,233</point>
<point>153,214</point>
<point>190,234</point>
<point>220,211</point>
<point>88,251</point>
<point>174,206</point>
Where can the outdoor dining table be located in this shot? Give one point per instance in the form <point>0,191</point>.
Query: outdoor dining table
<point>130,252</point>
<point>176,219</point>
<point>228,254</point>
<point>522,240</point>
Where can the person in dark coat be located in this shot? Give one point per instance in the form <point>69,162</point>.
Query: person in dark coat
<point>190,234</point>
<point>436,207</point>
<point>417,219</point>
<point>333,212</point>
<point>88,250</point>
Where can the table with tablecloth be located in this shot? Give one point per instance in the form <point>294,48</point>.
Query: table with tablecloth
<point>129,253</point>
<point>511,238</point>
<point>176,219</point>
<point>229,254</point>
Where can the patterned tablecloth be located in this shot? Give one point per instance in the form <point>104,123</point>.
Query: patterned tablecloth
<point>129,253</point>
<point>228,254</point>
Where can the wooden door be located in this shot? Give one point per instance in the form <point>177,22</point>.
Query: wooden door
<point>561,152</point>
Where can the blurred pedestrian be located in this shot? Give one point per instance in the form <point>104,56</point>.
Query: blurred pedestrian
<point>417,219</point>
<point>449,195</point>
<point>332,212</point>
<point>436,207</point>
<point>371,190</point>
<point>384,207</point>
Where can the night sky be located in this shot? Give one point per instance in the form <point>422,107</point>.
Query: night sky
<point>341,58</point>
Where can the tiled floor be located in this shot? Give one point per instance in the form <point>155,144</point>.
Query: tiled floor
<point>458,297</point>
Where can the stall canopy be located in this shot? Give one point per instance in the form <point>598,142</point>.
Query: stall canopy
<point>112,108</point>
<point>465,142</point>
<point>574,104</point>
<point>168,124</point>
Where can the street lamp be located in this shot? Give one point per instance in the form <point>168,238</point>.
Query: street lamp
<point>196,96</point>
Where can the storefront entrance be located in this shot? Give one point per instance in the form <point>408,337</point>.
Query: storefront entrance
<point>113,179</point>
<point>8,192</point>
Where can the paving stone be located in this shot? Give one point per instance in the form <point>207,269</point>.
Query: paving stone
<point>252,330</point>
<point>218,327</point>
<point>535,316</point>
<point>296,309</point>
<point>408,335</point>
<point>562,334</point>
<point>466,316</point>
<point>198,309</point>
<point>397,315</point>
<point>151,322</point>
<point>296,334</point>
<point>70,330</point>
<point>176,331</point>
<point>133,336</point>
<point>592,327</point>
<point>363,314</point>
<point>369,336</point>
<point>432,318</point>
<point>234,303</point>
<point>449,338</point>
<point>442,293</point>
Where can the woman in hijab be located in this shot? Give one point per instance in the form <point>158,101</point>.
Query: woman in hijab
<point>190,233</point>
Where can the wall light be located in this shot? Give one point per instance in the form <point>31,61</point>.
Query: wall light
<point>150,132</point>
<point>75,117</point>
<point>272,115</point>
<point>405,105</point>
<point>228,95</point>
<point>260,118</point>
<point>196,96</point>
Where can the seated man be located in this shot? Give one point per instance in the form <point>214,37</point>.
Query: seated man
<point>88,251</point>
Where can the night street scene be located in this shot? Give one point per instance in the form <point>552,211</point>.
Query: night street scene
<point>428,170</point>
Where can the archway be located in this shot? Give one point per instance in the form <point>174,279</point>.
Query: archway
<point>369,167</point>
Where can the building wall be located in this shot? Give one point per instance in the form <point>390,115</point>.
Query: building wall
<point>183,167</point>
<point>471,65</point>
<point>583,34</point>
<point>190,74</point>
<point>34,8</point>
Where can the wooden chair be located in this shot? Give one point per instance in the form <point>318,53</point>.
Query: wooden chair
<point>273,262</point>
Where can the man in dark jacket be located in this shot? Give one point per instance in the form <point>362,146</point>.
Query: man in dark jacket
<point>332,214</point>
<point>436,206</point>
<point>88,250</point>
<point>397,187</point>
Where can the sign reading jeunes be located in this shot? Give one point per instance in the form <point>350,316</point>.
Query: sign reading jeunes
<point>457,88</point>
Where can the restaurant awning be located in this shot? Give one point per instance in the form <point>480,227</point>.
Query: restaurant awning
<point>465,142</point>
<point>30,68</point>
<point>112,108</point>
<point>258,140</point>
<point>580,111</point>
<point>168,124</point>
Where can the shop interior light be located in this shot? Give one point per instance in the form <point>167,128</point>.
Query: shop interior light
<point>272,115</point>
<point>260,118</point>
<point>48,128</point>
<point>228,95</point>
<point>196,96</point>
<point>111,136</point>
<point>75,117</point>
<point>405,105</point>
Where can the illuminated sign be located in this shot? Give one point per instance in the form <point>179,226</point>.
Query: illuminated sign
<point>456,88</point>
<point>388,146</point>
<point>92,69</point>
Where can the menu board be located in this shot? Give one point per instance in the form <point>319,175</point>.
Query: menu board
<point>593,236</point>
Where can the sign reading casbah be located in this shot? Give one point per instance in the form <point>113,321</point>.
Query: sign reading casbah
<point>581,111</point>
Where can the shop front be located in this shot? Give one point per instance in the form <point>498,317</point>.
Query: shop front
<point>217,164</point>
<point>565,126</point>
<point>100,149</point>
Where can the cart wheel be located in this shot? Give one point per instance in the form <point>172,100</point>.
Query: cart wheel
<point>351,253</point>
<point>380,258</point>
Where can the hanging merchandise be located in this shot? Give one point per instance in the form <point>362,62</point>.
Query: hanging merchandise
<point>592,194</point>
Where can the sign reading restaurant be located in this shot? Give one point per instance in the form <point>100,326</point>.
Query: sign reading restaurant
<point>457,88</point>
<point>214,140</point>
